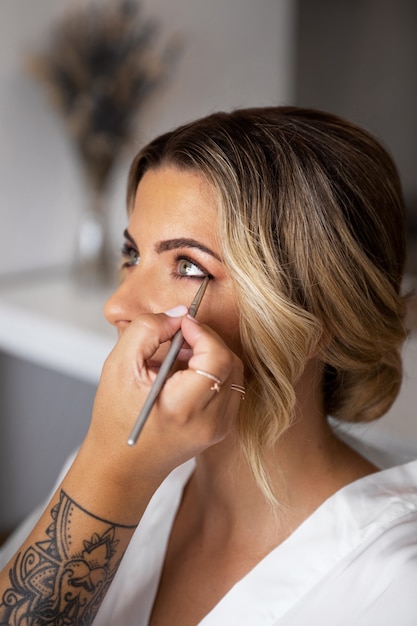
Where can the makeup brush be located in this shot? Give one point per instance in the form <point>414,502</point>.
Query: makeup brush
<point>166,365</point>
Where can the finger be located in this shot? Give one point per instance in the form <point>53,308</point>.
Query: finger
<point>210,353</point>
<point>211,371</point>
<point>148,331</point>
<point>189,402</point>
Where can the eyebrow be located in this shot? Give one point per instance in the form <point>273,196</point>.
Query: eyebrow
<point>174,244</point>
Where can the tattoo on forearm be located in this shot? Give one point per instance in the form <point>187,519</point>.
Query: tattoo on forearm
<point>64,579</point>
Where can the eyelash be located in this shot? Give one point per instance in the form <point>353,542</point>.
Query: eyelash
<point>129,251</point>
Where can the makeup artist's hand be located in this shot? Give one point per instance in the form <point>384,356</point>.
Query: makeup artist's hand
<point>188,415</point>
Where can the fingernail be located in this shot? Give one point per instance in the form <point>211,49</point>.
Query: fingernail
<point>190,317</point>
<point>177,311</point>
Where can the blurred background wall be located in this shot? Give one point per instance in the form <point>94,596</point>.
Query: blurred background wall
<point>354,57</point>
<point>358,58</point>
<point>235,53</point>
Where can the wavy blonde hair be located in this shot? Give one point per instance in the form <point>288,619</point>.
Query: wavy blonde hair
<point>312,226</point>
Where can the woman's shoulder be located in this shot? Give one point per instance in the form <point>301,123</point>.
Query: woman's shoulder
<point>361,545</point>
<point>383,500</point>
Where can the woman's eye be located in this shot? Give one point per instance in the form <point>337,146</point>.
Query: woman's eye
<point>187,267</point>
<point>130,256</point>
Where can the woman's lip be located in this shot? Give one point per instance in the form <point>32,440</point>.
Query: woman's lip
<point>185,353</point>
<point>153,365</point>
<point>184,356</point>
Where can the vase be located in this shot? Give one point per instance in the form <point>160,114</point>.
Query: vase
<point>95,263</point>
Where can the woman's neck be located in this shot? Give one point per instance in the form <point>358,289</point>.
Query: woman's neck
<point>306,466</point>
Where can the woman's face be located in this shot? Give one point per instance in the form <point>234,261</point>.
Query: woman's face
<point>171,244</point>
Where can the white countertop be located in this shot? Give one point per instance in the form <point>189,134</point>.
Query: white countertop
<point>53,322</point>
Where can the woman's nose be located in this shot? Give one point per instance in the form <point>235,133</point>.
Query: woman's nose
<point>122,306</point>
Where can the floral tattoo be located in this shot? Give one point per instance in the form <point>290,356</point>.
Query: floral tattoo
<point>62,581</point>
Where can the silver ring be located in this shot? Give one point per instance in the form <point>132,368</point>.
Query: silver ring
<point>217,383</point>
<point>240,389</point>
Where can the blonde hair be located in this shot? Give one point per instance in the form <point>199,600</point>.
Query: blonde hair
<point>312,226</point>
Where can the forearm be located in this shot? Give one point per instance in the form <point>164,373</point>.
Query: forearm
<point>64,568</point>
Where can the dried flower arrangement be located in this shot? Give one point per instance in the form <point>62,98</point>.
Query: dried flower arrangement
<point>99,67</point>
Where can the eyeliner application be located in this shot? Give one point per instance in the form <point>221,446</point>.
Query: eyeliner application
<point>166,365</point>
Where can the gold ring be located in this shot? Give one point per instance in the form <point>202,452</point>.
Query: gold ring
<point>217,383</point>
<point>240,389</point>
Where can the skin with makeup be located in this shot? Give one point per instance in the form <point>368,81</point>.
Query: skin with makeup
<point>229,518</point>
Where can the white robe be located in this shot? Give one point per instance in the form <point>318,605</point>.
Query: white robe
<point>352,562</point>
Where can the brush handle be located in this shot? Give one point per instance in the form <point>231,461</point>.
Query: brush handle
<point>167,363</point>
